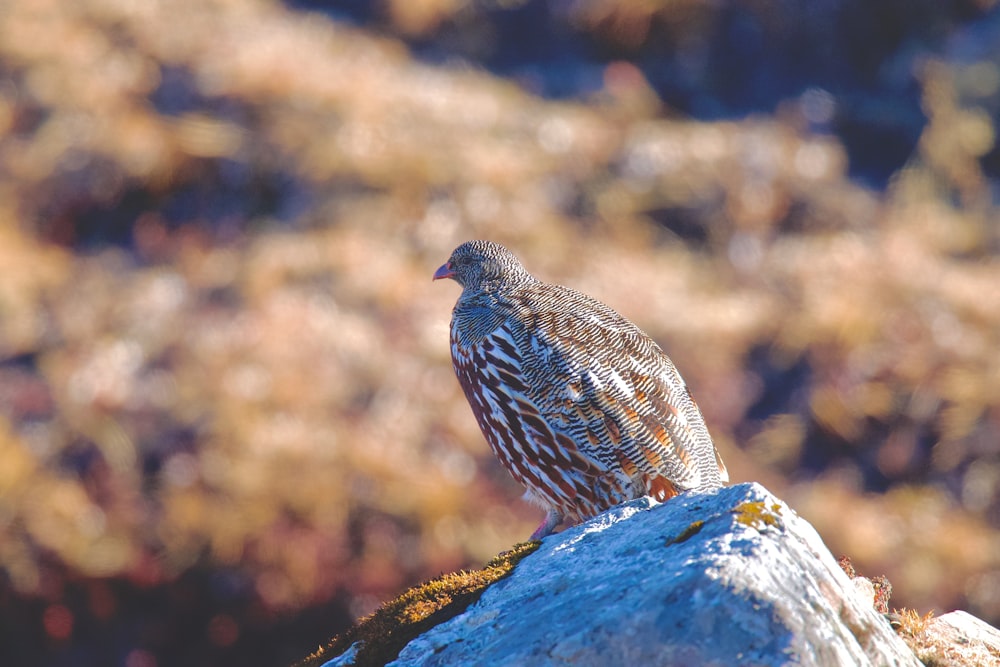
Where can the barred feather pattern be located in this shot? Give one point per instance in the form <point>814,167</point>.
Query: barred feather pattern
<point>582,407</point>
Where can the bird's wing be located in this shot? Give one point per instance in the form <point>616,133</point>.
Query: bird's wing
<point>602,382</point>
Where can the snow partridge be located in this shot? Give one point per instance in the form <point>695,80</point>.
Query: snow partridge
<point>580,405</point>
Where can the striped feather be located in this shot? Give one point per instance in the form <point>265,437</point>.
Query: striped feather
<point>577,402</point>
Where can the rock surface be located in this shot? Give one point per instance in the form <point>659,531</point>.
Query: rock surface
<point>732,577</point>
<point>957,639</point>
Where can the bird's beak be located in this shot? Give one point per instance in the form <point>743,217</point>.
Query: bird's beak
<point>444,271</point>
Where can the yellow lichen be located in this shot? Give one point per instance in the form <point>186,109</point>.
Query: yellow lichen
<point>757,515</point>
<point>382,634</point>
<point>687,533</point>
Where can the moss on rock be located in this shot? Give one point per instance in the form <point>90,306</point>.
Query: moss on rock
<point>382,634</point>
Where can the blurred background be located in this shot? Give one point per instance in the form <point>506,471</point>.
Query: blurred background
<point>228,420</point>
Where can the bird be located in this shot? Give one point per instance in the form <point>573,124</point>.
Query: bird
<point>580,406</point>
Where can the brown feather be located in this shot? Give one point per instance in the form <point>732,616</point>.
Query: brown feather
<point>577,402</point>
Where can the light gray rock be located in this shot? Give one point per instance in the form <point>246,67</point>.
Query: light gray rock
<point>752,585</point>
<point>345,659</point>
<point>959,639</point>
<point>965,629</point>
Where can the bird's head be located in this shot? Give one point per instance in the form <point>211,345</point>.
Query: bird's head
<point>482,266</point>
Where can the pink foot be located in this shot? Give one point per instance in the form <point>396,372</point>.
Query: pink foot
<point>552,519</point>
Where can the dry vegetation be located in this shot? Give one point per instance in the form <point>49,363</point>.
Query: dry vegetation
<point>379,637</point>
<point>252,380</point>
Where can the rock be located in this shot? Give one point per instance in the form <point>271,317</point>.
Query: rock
<point>730,577</point>
<point>346,658</point>
<point>956,639</point>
